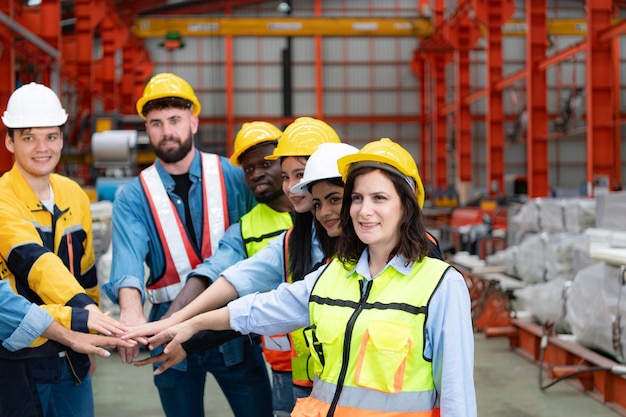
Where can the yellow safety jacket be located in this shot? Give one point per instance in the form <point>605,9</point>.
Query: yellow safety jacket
<point>48,257</point>
<point>258,227</point>
<point>368,343</point>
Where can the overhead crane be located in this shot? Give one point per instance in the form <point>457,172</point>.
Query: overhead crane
<point>421,27</point>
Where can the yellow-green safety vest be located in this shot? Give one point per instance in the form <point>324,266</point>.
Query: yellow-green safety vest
<point>262,224</point>
<point>368,342</point>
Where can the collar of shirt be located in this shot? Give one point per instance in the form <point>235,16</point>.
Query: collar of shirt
<point>397,262</point>
<point>195,171</point>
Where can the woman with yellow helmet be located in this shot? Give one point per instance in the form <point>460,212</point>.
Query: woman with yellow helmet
<point>389,327</point>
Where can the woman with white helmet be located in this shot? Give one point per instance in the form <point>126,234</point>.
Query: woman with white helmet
<point>390,327</point>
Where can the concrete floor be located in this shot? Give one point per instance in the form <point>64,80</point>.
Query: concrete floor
<point>506,385</point>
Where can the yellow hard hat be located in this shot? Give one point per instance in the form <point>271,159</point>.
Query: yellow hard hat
<point>252,134</point>
<point>302,137</point>
<point>165,85</point>
<point>385,153</point>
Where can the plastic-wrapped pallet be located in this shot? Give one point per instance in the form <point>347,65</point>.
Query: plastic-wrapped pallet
<point>596,304</point>
<point>560,251</point>
<point>530,262</point>
<point>527,218</point>
<point>556,215</point>
<point>506,258</point>
<point>580,214</point>
<point>610,209</point>
<point>546,301</point>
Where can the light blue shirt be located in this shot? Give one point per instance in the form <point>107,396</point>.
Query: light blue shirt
<point>21,322</point>
<point>135,236</point>
<point>265,270</point>
<point>449,338</point>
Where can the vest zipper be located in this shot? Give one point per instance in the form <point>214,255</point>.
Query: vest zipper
<point>346,346</point>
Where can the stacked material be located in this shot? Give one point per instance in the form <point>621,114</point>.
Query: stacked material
<point>556,215</point>
<point>554,256</point>
<point>610,211</point>
<point>596,306</point>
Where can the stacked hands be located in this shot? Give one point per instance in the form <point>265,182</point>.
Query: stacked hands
<point>112,333</point>
<point>166,333</point>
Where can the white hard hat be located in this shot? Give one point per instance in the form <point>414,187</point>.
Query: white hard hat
<point>34,105</point>
<point>322,165</point>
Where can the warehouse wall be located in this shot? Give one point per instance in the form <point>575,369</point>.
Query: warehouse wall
<point>369,90</point>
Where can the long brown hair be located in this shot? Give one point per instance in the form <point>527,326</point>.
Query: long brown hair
<point>413,244</point>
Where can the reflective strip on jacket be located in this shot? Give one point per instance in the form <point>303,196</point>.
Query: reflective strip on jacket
<point>180,255</point>
<point>258,227</point>
<point>368,343</point>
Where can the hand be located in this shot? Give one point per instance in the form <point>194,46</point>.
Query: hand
<point>175,356</point>
<point>91,343</point>
<point>140,333</point>
<point>131,318</point>
<point>103,323</point>
<point>175,335</point>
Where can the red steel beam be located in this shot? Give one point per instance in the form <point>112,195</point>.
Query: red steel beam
<point>617,137</point>
<point>603,386</point>
<point>440,159</point>
<point>7,81</point>
<point>536,93</point>
<point>599,94</point>
<point>319,68</point>
<point>230,93</point>
<point>463,120</point>
<point>494,11</point>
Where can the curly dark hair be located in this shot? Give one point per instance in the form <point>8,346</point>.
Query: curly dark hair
<point>413,245</point>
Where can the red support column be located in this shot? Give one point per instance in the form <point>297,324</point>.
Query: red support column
<point>600,142</point>
<point>418,68</point>
<point>536,92</point>
<point>440,157</point>
<point>89,14</point>
<point>493,13</point>
<point>319,68</point>
<point>7,81</point>
<point>230,94</point>
<point>462,38</point>
<point>617,136</point>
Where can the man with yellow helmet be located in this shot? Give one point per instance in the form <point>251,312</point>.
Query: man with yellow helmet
<point>285,259</point>
<point>171,217</point>
<point>254,142</point>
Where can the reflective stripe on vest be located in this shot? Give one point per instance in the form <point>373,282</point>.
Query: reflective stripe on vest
<point>370,341</point>
<point>180,256</point>
<point>353,404</point>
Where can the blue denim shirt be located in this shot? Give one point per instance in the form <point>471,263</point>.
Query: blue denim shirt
<point>265,270</point>
<point>231,250</point>
<point>135,237</point>
<point>21,322</point>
